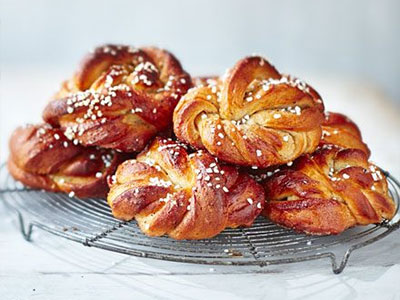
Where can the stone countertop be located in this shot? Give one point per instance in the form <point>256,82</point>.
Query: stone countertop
<point>54,268</point>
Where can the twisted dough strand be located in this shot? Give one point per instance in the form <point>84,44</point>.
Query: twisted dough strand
<point>339,130</point>
<point>186,196</point>
<point>42,157</point>
<point>328,192</point>
<point>252,117</point>
<point>332,189</point>
<point>120,97</point>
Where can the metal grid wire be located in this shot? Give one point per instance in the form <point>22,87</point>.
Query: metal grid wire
<point>90,222</point>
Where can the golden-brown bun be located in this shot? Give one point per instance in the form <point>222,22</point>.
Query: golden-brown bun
<point>332,189</point>
<point>42,157</point>
<point>120,97</point>
<point>253,116</point>
<point>185,196</point>
<point>328,192</point>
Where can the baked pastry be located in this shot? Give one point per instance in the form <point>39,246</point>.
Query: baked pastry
<point>186,196</point>
<point>202,81</point>
<point>339,130</point>
<point>42,157</point>
<point>253,116</point>
<point>120,98</point>
<point>332,189</point>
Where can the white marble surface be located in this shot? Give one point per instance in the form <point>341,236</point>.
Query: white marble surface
<point>53,268</point>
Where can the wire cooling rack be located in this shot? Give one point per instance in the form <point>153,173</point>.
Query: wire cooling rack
<point>90,222</point>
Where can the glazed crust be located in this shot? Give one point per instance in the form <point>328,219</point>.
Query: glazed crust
<point>202,81</point>
<point>119,98</point>
<point>253,116</point>
<point>339,130</point>
<point>42,157</point>
<point>185,196</point>
<point>332,189</point>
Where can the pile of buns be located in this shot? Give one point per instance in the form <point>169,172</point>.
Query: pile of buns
<point>188,157</point>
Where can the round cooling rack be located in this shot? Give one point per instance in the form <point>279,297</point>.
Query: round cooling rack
<point>90,222</point>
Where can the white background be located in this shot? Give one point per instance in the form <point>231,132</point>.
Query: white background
<point>358,38</point>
